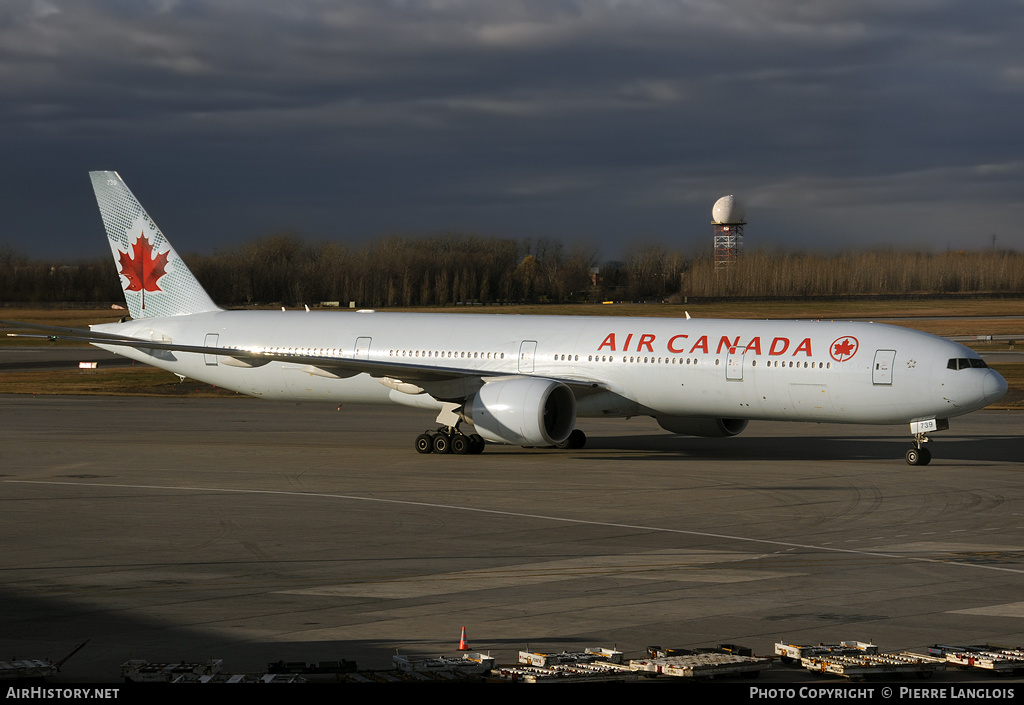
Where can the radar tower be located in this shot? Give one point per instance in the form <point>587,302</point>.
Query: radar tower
<point>727,219</point>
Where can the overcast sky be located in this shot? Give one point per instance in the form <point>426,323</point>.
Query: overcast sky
<point>839,124</point>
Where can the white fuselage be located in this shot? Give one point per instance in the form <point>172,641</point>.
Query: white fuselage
<point>842,372</point>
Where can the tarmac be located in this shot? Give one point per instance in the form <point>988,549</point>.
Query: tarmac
<point>24,357</point>
<point>184,529</point>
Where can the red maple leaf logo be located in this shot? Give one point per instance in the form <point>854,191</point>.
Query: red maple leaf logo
<point>142,269</point>
<point>844,348</point>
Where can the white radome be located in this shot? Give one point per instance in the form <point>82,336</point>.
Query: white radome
<point>727,210</point>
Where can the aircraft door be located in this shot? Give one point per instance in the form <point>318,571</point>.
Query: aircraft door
<point>362,351</point>
<point>734,365</point>
<point>881,371</point>
<point>527,351</point>
<point>211,342</point>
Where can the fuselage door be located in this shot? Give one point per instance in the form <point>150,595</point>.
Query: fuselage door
<point>211,342</point>
<point>362,351</point>
<point>527,351</point>
<point>734,365</point>
<point>881,372</point>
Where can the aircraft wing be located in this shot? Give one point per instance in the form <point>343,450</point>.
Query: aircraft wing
<point>255,357</point>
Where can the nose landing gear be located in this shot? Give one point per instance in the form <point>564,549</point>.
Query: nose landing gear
<point>919,455</point>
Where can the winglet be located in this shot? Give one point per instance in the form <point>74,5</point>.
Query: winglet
<point>155,280</point>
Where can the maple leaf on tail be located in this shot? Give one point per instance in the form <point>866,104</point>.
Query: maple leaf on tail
<point>142,270</point>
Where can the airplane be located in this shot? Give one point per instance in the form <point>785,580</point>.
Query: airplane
<point>525,380</point>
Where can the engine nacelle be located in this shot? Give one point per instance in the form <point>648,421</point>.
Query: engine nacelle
<point>702,426</point>
<point>524,411</point>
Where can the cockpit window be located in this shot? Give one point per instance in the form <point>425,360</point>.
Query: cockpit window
<point>963,363</point>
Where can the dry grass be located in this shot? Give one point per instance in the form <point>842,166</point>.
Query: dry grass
<point>71,318</point>
<point>839,309</point>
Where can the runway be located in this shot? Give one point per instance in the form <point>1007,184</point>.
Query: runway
<point>172,529</point>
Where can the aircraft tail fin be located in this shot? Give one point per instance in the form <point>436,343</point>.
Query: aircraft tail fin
<point>155,280</point>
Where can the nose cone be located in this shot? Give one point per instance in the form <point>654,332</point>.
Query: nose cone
<point>994,387</point>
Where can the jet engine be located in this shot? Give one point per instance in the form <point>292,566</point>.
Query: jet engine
<point>702,426</point>
<point>524,411</point>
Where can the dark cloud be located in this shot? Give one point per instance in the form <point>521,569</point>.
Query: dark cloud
<point>839,124</point>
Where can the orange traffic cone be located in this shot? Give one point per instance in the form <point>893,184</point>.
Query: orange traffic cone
<point>463,646</point>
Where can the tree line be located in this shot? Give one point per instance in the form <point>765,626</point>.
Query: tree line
<point>400,271</point>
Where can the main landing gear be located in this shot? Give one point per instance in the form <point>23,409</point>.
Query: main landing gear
<point>449,440</point>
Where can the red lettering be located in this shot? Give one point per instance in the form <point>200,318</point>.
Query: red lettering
<point>727,344</point>
<point>804,345</point>
<point>754,344</point>
<point>609,342</point>
<point>775,350</point>
<point>702,343</point>
<point>673,349</point>
<point>625,348</point>
<point>645,341</point>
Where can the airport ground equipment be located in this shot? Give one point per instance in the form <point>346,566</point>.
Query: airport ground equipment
<point>209,671</point>
<point>659,652</point>
<point>706,664</point>
<point>467,664</point>
<point>241,678</point>
<point>589,655</point>
<point>312,668</point>
<point>34,669</point>
<point>142,671</point>
<point>858,667</point>
<point>26,669</point>
<point>702,662</point>
<point>584,672</point>
<point>790,653</point>
<point>998,659</point>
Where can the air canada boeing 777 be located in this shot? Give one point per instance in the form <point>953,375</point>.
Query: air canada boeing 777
<point>524,380</point>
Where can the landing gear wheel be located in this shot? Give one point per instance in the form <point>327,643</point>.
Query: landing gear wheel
<point>442,443</point>
<point>476,444</point>
<point>918,456</point>
<point>424,443</point>
<point>460,444</point>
